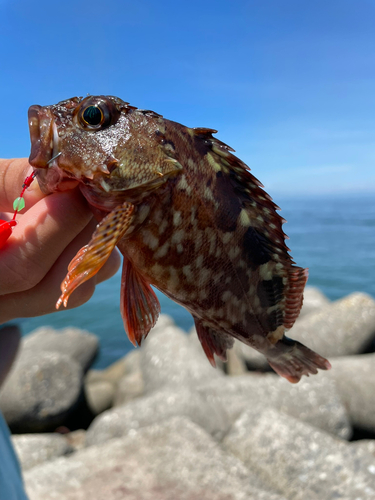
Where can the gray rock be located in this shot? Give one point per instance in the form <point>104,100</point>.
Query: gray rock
<point>158,407</point>
<point>300,461</point>
<point>367,445</point>
<point>314,400</point>
<point>99,396</point>
<point>341,328</point>
<point>235,365</point>
<point>76,439</point>
<point>253,359</point>
<point>82,346</point>
<point>34,449</point>
<point>40,391</point>
<point>117,370</point>
<point>130,387</point>
<point>174,460</point>
<point>313,300</point>
<point>168,358</point>
<point>355,382</point>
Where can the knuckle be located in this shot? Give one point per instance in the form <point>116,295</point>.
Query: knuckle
<point>19,278</point>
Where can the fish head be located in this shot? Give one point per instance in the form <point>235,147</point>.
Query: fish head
<point>101,142</point>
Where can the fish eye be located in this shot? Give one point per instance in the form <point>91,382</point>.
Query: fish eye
<point>96,113</point>
<point>92,115</point>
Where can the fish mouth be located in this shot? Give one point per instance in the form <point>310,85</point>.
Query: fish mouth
<point>45,152</point>
<point>41,136</point>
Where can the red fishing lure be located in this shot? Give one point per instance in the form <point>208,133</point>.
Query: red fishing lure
<point>18,205</point>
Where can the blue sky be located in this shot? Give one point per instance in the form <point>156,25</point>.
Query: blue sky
<point>290,85</point>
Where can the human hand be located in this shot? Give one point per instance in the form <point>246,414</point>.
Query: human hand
<point>50,231</point>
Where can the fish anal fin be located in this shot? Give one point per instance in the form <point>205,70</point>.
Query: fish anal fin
<point>297,277</point>
<point>213,342</point>
<point>139,305</point>
<point>93,256</point>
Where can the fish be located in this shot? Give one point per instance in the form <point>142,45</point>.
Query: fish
<point>189,218</point>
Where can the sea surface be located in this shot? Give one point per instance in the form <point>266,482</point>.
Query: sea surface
<point>333,236</point>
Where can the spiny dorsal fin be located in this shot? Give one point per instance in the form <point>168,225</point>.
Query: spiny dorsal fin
<point>258,205</point>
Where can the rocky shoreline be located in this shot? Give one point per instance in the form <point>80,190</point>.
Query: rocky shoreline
<point>162,424</point>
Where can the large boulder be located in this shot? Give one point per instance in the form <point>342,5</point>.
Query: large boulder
<point>168,358</point>
<point>313,300</point>
<point>34,449</point>
<point>167,461</point>
<point>314,400</point>
<point>355,382</point>
<point>80,345</point>
<point>41,390</point>
<point>341,328</point>
<point>117,370</point>
<point>99,396</point>
<point>158,407</point>
<point>298,460</point>
<point>130,387</point>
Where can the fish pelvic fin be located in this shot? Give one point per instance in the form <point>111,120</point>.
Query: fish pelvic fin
<point>291,359</point>
<point>213,342</point>
<point>140,308</point>
<point>93,256</point>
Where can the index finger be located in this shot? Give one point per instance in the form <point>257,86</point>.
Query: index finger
<point>12,175</point>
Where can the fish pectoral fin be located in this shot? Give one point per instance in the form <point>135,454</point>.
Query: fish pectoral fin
<point>93,256</point>
<point>139,305</point>
<point>213,342</point>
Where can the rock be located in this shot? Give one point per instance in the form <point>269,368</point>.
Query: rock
<point>169,359</point>
<point>168,461</point>
<point>235,365</point>
<point>253,359</point>
<point>114,373</point>
<point>313,300</point>
<point>341,328</point>
<point>158,407</point>
<point>76,439</point>
<point>298,460</point>
<point>163,321</point>
<point>80,345</point>
<point>41,390</point>
<point>367,445</point>
<point>34,449</point>
<point>130,387</point>
<point>314,400</point>
<point>355,382</point>
<point>99,396</point>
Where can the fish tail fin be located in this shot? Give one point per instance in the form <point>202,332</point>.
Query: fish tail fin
<point>291,359</point>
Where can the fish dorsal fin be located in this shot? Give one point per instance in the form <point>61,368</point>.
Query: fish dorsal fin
<point>259,211</point>
<point>281,283</point>
<point>213,342</point>
<point>139,305</point>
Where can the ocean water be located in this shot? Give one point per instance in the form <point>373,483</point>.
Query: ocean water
<point>333,236</point>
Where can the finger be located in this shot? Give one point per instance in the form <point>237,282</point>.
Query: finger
<point>42,298</point>
<point>41,236</point>
<point>12,175</point>
<point>110,268</point>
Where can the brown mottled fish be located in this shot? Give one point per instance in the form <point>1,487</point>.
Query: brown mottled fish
<point>189,219</point>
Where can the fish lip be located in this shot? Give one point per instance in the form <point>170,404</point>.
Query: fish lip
<point>42,136</point>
